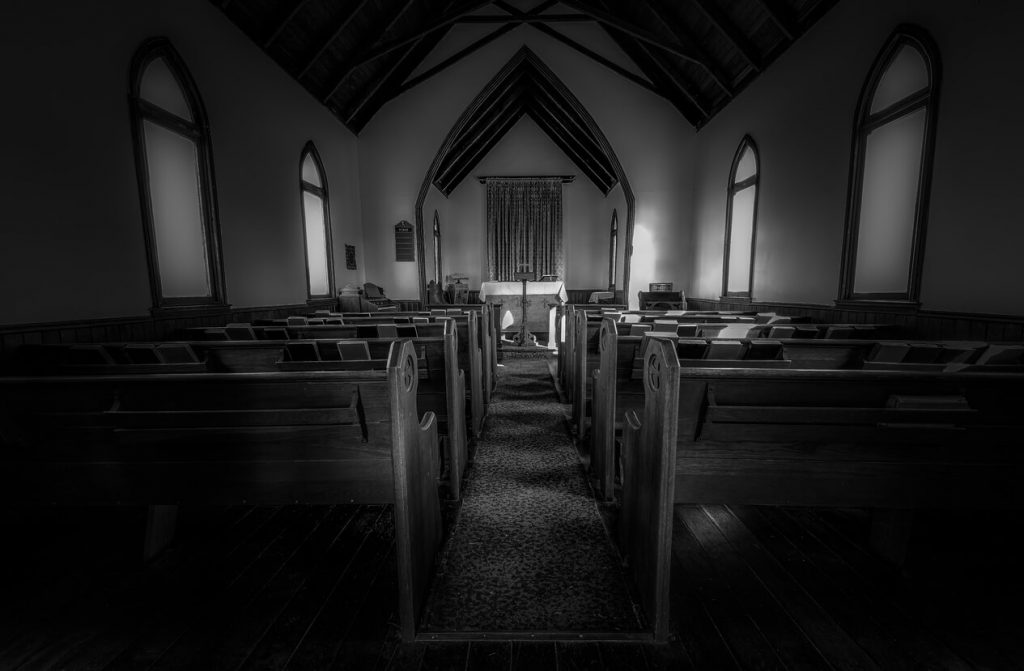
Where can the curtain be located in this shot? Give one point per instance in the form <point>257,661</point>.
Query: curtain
<point>524,227</point>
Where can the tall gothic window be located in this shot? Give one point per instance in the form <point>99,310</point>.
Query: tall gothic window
<point>437,250</point>
<point>613,249</point>
<point>174,164</point>
<point>890,177</point>
<point>741,221</point>
<point>316,229</point>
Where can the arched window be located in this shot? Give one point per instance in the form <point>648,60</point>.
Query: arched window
<point>437,250</point>
<point>613,249</point>
<point>741,221</point>
<point>316,229</point>
<point>174,164</point>
<point>890,175</point>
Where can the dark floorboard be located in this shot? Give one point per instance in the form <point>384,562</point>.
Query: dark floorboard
<point>314,587</point>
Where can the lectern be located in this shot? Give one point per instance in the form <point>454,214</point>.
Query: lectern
<point>524,337</point>
<point>539,298</point>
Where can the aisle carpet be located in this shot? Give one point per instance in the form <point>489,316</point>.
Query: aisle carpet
<point>528,551</point>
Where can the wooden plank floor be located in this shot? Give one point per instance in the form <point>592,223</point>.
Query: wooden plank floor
<point>313,587</point>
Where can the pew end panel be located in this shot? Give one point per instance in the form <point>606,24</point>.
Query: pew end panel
<point>418,524</point>
<point>649,455</point>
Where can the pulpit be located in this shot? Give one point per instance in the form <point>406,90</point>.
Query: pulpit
<point>540,298</point>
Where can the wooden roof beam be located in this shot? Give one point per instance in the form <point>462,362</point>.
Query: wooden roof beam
<point>385,85</point>
<point>724,24</point>
<point>643,59</point>
<point>281,25</point>
<point>443,22</point>
<point>546,18</point>
<point>352,62</point>
<point>721,78</point>
<point>335,34</point>
<point>598,58</point>
<point>458,171</point>
<point>454,58</point>
<point>782,16</point>
<point>581,153</point>
<point>636,32</point>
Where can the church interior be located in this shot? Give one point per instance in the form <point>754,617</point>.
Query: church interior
<point>511,334</point>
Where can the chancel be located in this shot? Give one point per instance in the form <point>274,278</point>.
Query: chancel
<point>512,334</point>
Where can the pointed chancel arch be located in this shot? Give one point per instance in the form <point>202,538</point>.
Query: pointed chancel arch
<point>525,86</point>
<point>890,174</point>
<point>174,167</point>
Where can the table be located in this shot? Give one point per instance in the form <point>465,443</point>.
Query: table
<point>540,296</point>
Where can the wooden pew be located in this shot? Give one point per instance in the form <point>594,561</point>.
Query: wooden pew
<point>215,439</point>
<point>618,385</point>
<point>849,438</point>
<point>618,382</point>
<point>442,389</point>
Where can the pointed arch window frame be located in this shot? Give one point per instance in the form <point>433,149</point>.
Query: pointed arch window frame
<point>866,122</point>
<point>198,131</point>
<point>436,233</point>
<point>613,250</point>
<point>322,192</point>
<point>735,187</point>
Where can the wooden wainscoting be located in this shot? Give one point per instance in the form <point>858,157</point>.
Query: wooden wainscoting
<point>144,328</point>
<point>930,324</point>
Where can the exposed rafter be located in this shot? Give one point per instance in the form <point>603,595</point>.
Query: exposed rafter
<point>355,55</point>
<point>783,17</point>
<point>384,85</point>
<point>658,10</point>
<point>346,19</point>
<point>378,50</point>
<point>723,23</point>
<point>283,23</point>
<point>620,24</point>
<point>342,72</point>
<point>456,57</point>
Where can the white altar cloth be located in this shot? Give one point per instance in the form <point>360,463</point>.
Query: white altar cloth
<point>516,289</point>
<point>508,317</point>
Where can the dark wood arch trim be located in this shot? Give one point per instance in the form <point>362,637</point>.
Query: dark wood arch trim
<point>322,192</point>
<point>864,121</point>
<point>731,190</point>
<point>198,129</point>
<point>483,105</point>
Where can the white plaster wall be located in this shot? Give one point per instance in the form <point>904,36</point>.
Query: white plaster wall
<point>71,242</point>
<point>800,112</point>
<point>527,150</point>
<point>650,137</point>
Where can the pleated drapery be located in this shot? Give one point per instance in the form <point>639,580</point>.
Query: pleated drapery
<point>524,227</point>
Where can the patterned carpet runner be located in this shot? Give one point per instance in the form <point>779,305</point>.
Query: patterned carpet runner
<point>528,551</point>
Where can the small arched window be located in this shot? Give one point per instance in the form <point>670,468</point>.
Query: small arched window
<point>613,249</point>
<point>890,176</point>
<point>174,165</point>
<point>741,221</point>
<point>437,250</point>
<point>316,229</point>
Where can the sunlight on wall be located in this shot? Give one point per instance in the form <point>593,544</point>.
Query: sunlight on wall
<point>642,264</point>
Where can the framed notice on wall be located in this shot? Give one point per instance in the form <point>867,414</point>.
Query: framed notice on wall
<point>350,257</point>
<point>405,242</point>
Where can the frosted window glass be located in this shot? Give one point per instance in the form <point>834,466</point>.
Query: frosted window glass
<point>892,170</point>
<point>173,164</point>
<point>161,88</point>
<point>906,74</point>
<point>747,166</point>
<point>309,172</point>
<point>741,237</point>
<point>316,244</point>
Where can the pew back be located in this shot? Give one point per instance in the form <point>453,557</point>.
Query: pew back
<point>879,439</point>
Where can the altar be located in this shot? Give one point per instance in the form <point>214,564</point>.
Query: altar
<point>541,298</point>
